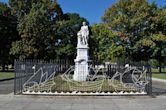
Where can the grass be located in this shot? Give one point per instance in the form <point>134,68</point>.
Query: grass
<point>157,70</point>
<point>4,75</point>
<point>159,75</point>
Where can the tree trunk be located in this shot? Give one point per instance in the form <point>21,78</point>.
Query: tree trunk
<point>3,67</point>
<point>160,61</point>
<point>160,66</point>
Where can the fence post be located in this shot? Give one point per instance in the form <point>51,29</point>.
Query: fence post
<point>150,81</point>
<point>15,77</point>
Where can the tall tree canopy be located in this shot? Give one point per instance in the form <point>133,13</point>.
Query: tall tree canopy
<point>8,33</point>
<point>101,40</point>
<point>66,35</point>
<point>46,32</point>
<point>23,7</point>
<point>137,24</point>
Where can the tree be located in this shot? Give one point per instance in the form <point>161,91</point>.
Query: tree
<point>159,36</point>
<point>129,19</point>
<point>46,33</point>
<point>33,29</point>
<point>66,35</point>
<point>102,39</point>
<point>159,48</point>
<point>22,7</point>
<point>134,22</point>
<point>8,34</point>
<point>139,28</point>
<point>156,41</point>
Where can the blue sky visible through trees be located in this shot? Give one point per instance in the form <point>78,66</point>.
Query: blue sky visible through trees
<point>92,10</point>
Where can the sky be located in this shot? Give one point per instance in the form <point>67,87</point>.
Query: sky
<point>92,10</point>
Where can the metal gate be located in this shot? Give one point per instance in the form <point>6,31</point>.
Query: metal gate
<point>56,78</point>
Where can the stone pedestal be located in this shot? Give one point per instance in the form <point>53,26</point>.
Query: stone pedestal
<point>81,63</point>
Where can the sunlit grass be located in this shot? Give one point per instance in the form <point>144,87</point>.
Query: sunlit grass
<point>159,75</point>
<point>157,70</point>
<point>4,75</point>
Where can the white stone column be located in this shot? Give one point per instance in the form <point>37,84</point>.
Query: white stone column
<point>81,64</point>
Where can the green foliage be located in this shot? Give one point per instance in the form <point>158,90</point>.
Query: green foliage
<point>66,35</point>
<point>5,75</point>
<point>46,33</point>
<point>159,50</point>
<point>4,9</point>
<point>23,7</point>
<point>117,51</point>
<point>160,76</point>
<point>139,28</point>
<point>102,40</point>
<point>8,34</point>
<point>33,29</point>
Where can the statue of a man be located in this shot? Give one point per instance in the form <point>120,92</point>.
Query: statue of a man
<point>84,34</point>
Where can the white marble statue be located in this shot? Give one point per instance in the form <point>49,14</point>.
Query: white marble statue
<point>81,70</point>
<point>83,34</point>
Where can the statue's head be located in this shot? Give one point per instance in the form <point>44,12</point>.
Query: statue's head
<point>84,23</point>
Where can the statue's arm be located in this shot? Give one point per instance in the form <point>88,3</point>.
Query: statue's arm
<point>87,30</point>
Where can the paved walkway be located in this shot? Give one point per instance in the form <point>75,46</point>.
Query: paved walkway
<point>159,80</point>
<point>8,101</point>
<point>11,102</point>
<point>158,87</point>
<point>6,87</point>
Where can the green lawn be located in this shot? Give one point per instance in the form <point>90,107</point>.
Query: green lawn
<point>160,76</point>
<point>157,70</point>
<point>4,75</point>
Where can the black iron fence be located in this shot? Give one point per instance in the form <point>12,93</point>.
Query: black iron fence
<point>53,77</point>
